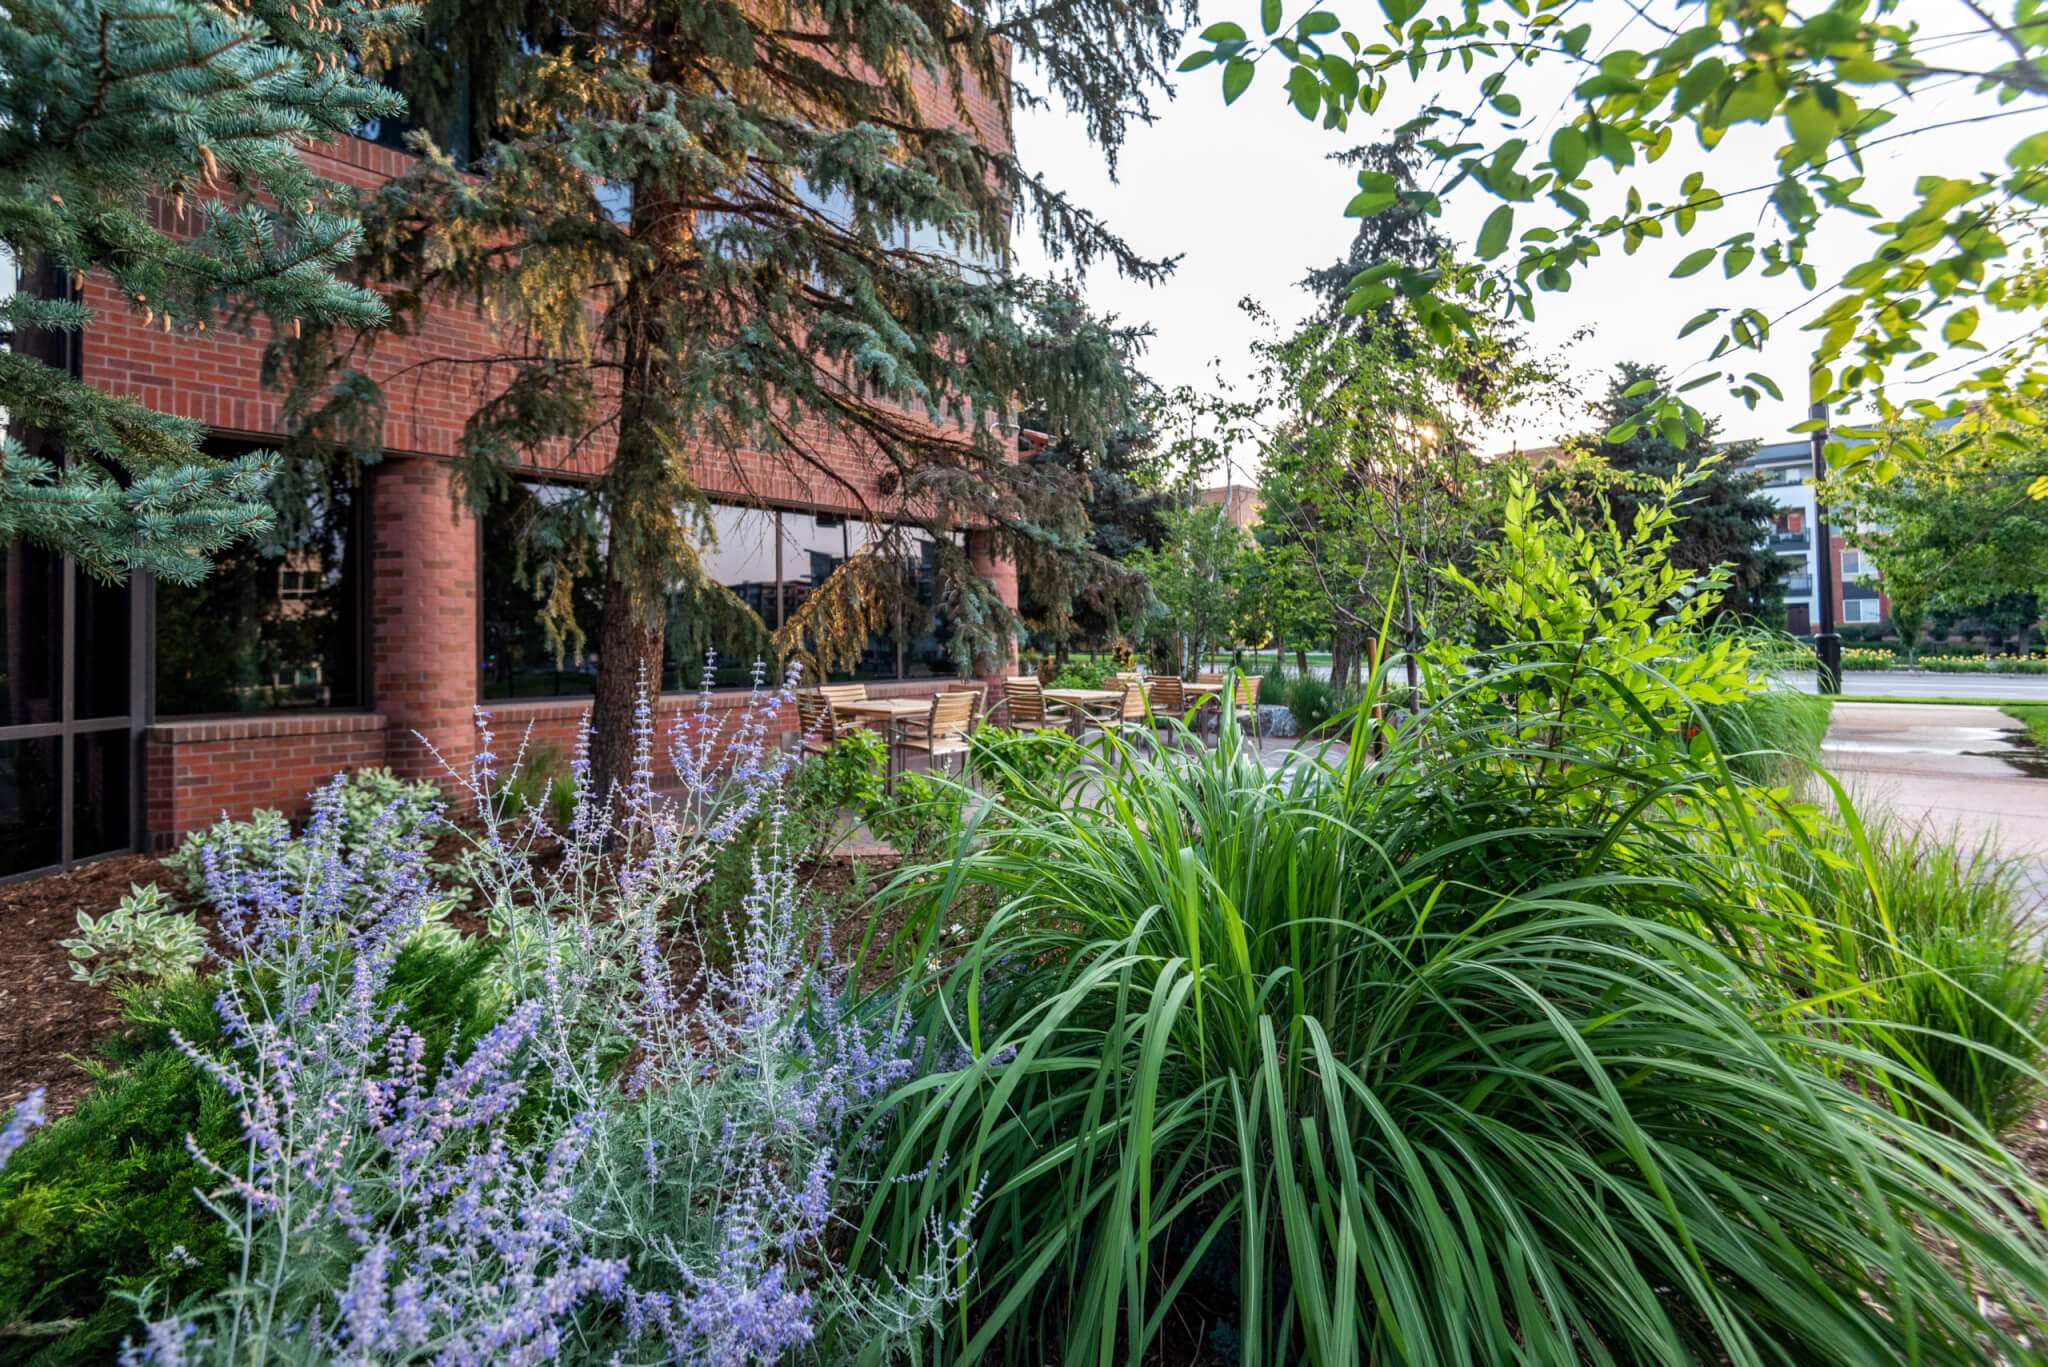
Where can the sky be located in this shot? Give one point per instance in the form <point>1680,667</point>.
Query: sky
<point>1247,198</point>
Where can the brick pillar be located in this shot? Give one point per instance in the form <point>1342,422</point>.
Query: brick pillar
<point>987,560</point>
<point>423,615</point>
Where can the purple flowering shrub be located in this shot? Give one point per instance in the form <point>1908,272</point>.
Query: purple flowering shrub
<point>634,1164</point>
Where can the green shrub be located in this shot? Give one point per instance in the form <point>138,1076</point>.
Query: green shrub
<point>101,1201</point>
<point>1970,1011</point>
<point>1935,930</point>
<point>408,814</point>
<point>1018,766</point>
<point>1344,1060</point>
<point>846,778</point>
<point>921,815</point>
<point>1771,737</point>
<point>1513,1044</point>
<point>1982,664</point>
<point>145,936</point>
<point>1083,673</point>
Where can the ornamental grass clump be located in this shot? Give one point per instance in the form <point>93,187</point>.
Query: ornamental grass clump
<point>1496,1037</point>
<point>627,1164</point>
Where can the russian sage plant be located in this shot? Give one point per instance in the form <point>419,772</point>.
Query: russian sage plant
<point>28,1114</point>
<point>641,1161</point>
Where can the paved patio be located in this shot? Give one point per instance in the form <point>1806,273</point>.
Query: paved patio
<point>1972,769</point>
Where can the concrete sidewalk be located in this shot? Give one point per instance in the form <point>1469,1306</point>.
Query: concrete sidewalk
<point>1972,769</point>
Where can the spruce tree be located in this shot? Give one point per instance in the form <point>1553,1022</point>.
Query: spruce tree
<point>1727,519</point>
<point>117,117</point>
<point>708,227</point>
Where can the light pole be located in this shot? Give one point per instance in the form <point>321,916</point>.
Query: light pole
<point>1825,642</point>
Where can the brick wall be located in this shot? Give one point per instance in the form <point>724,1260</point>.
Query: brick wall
<point>199,771</point>
<point>423,615</point>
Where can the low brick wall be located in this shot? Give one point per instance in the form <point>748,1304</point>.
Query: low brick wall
<point>202,770</point>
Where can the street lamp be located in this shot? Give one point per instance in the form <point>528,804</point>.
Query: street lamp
<point>1825,642</point>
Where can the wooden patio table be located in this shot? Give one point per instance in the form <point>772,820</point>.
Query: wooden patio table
<point>1082,701</point>
<point>887,711</point>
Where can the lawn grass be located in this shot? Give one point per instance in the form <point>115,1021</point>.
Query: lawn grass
<point>2032,715</point>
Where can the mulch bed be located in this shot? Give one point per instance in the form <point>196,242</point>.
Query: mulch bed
<point>48,1022</point>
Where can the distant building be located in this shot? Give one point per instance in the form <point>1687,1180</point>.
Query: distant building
<point>1240,501</point>
<point>1787,468</point>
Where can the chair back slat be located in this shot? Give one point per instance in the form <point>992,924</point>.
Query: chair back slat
<point>839,693</point>
<point>1212,678</point>
<point>1166,693</point>
<point>952,714</point>
<point>1248,689</point>
<point>1026,701</point>
<point>815,717</point>
<point>1134,700</point>
<point>976,692</point>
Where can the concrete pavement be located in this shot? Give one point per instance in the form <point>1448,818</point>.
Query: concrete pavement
<point>1968,768</point>
<point>1886,683</point>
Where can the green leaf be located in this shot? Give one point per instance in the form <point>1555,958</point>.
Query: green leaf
<point>1639,387</point>
<point>1225,32</point>
<point>1811,124</point>
<point>1196,61</point>
<point>1702,80</point>
<point>1753,100</point>
<point>1694,263</point>
<point>1568,152</point>
<point>1698,321</point>
<point>1399,12</point>
<point>1620,433</point>
<point>1342,75</point>
<point>1508,104</point>
<point>1269,15</point>
<point>1737,261</point>
<point>1237,74</point>
<point>1493,238</point>
<point>1959,326</point>
<point>1306,93</point>
<point>2028,152</point>
<point>1315,22</point>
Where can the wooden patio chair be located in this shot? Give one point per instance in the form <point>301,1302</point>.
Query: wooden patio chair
<point>1126,714</point>
<point>1167,699</point>
<point>943,731</point>
<point>1025,708</point>
<point>817,723</point>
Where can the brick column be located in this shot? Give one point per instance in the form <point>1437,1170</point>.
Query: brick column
<point>987,560</point>
<point>423,615</point>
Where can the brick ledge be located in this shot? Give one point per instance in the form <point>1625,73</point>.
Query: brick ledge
<point>203,729</point>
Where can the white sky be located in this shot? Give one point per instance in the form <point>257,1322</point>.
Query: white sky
<point>1246,194</point>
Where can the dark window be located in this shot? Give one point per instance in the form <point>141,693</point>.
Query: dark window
<point>761,590</point>
<point>32,675</point>
<point>273,627</point>
<point>29,804</point>
<point>744,558</point>
<point>519,661</point>
<point>68,731</point>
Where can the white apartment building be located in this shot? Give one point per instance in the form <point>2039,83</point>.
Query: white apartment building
<point>1787,467</point>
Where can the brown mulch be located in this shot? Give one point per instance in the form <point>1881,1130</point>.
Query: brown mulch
<point>48,1023</point>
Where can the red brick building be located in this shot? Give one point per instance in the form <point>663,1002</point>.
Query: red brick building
<point>129,716</point>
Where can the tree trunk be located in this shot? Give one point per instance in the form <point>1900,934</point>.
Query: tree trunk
<point>628,660</point>
<point>641,489</point>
